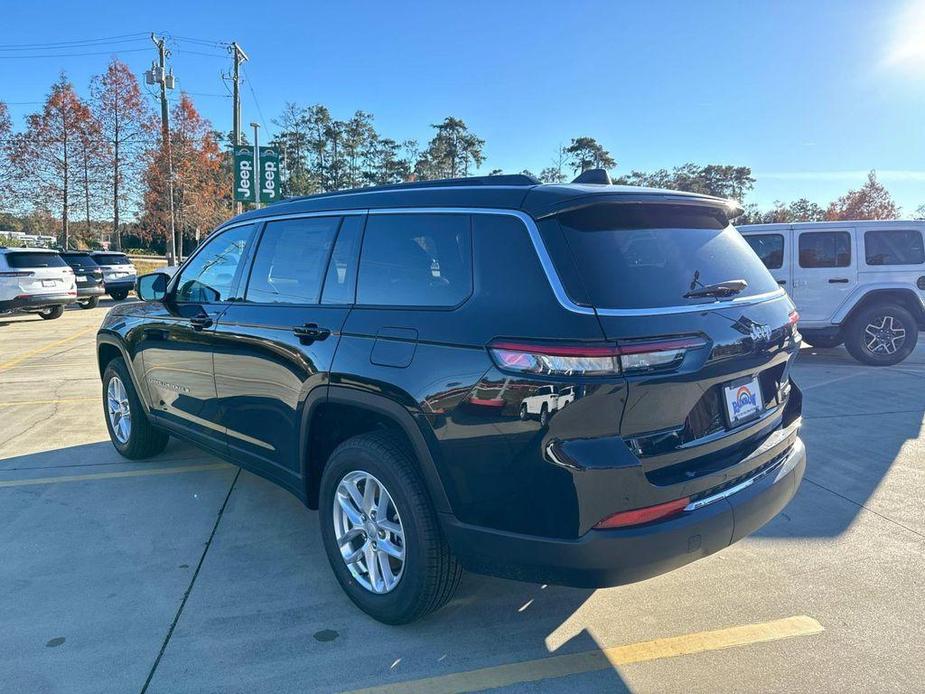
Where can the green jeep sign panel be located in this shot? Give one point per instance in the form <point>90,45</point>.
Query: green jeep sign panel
<point>247,185</point>
<point>244,183</point>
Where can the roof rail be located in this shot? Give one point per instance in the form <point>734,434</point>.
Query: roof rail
<point>501,180</point>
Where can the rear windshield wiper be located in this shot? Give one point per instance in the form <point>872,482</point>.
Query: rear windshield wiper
<point>720,289</point>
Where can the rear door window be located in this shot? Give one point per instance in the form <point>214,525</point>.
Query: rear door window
<point>894,247</point>
<point>416,260</point>
<point>649,256</point>
<point>37,259</point>
<point>768,247</point>
<point>825,249</point>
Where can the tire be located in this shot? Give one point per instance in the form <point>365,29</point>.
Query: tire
<point>880,324</point>
<point>92,302</point>
<point>142,440</point>
<point>544,416</point>
<point>823,341</point>
<point>118,294</point>
<point>523,413</point>
<point>52,312</point>
<point>429,573</point>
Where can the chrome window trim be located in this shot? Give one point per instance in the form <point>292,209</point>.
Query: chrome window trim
<point>539,247</point>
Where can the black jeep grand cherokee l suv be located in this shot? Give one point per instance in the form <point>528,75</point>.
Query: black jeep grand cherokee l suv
<point>576,384</point>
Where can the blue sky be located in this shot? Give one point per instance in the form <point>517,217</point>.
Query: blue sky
<point>810,95</point>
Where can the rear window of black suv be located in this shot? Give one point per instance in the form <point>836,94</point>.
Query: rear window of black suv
<point>637,256</point>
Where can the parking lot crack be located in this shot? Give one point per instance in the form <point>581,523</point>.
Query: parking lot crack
<point>189,589</point>
<point>866,508</point>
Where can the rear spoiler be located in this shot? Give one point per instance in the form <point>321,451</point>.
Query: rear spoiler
<point>730,208</point>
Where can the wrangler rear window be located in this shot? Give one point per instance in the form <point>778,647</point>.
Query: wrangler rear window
<point>638,256</point>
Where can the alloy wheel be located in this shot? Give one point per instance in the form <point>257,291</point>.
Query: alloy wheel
<point>884,335</point>
<point>117,406</point>
<point>369,532</point>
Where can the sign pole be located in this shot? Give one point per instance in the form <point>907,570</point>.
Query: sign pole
<point>255,126</point>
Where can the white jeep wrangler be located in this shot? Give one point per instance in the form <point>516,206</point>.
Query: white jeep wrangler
<point>858,283</point>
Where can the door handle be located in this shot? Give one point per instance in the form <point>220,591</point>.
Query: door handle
<point>309,332</point>
<point>839,280</point>
<point>200,322</point>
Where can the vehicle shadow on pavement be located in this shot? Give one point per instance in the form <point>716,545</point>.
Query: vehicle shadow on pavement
<point>858,422</point>
<point>90,458</point>
<point>266,614</point>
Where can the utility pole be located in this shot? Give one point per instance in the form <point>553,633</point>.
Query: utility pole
<point>256,125</point>
<point>166,81</point>
<point>239,57</point>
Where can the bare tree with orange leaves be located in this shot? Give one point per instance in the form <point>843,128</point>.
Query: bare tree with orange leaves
<point>199,189</point>
<point>126,125</point>
<point>47,155</point>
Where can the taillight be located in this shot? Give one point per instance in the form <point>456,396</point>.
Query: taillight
<point>649,355</point>
<point>593,360</point>
<point>794,318</point>
<point>647,514</point>
<point>16,274</point>
<point>556,360</point>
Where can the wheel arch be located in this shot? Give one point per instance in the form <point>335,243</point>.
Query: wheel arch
<point>335,413</point>
<point>108,347</point>
<point>902,296</point>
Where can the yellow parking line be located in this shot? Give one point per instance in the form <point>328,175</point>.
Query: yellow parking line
<point>22,357</point>
<point>114,475</point>
<point>591,661</point>
<point>46,402</point>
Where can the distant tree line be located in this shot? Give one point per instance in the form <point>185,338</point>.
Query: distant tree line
<point>95,168</point>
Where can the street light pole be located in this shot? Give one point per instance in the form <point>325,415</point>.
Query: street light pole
<point>255,126</point>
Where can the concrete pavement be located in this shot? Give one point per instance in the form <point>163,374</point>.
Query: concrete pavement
<point>187,576</point>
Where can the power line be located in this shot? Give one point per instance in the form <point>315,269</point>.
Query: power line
<point>250,86</point>
<point>211,55</point>
<point>70,44</point>
<point>73,55</point>
<point>201,42</point>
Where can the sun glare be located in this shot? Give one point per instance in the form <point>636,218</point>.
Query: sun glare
<point>908,46</point>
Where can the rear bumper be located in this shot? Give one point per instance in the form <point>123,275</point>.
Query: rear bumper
<point>626,555</point>
<point>124,284</point>
<point>95,290</point>
<point>37,301</point>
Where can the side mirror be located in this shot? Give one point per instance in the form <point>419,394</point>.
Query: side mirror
<point>152,287</point>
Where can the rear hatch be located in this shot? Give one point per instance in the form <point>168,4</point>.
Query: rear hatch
<point>36,273</point>
<point>116,267</point>
<point>717,383</point>
<point>86,270</point>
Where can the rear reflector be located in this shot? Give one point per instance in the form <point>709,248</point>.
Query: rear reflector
<point>593,360</point>
<point>638,516</point>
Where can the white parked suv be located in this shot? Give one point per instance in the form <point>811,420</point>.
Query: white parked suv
<point>545,401</point>
<point>35,280</point>
<point>858,283</point>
